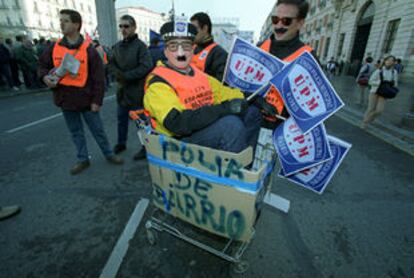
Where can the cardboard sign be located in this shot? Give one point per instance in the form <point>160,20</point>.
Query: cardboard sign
<point>208,188</point>
<point>298,151</point>
<point>248,67</point>
<point>317,178</point>
<point>306,92</point>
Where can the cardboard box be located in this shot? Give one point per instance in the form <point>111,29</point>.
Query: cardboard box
<point>208,188</point>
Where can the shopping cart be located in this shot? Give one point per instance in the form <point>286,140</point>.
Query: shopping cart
<point>197,190</point>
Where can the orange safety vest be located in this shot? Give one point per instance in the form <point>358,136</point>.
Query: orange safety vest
<point>81,55</point>
<point>102,54</point>
<point>199,60</point>
<point>273,96</point>
<point>192,91</point>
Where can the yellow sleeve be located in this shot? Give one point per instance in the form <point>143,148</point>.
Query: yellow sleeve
<point>159,99</point>
<point>222,93</point>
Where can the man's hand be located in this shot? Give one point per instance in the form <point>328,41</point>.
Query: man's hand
<point>95,107</point>
<point>236,106</point>
<point>266,108</point>
<point>50,81</point>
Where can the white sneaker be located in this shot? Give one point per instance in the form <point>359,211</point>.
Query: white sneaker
<point>15,88</point>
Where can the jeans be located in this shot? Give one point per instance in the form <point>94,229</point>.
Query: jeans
<point>94,122</point>
<point>230,133</point>
<point>123,122</point>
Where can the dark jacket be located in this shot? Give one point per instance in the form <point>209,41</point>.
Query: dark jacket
<point>130,62</point>
<point>157,53</point>
<point>75,98</point>
<point>216,60</point>
<point>4,55</point>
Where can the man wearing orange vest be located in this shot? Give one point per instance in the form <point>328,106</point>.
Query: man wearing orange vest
<point>184,102</point>
<point>79,96</point>
<point>287,20</point>
<point>208,56</point>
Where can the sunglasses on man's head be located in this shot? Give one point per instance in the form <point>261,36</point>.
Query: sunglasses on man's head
<point>173,46</point>
<point>286,21</point>
<point>125,26</point>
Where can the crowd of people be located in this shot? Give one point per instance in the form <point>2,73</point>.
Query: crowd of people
<point>179,87</point>
<point>19,61</point>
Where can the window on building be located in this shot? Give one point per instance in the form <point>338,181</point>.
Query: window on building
<point>327,44</point>
<point>316,46</point>
<point>36,8</point>
<point>89,9</point>
<point>9,22</point>
<point>390,35</point>
<point>21,21</point>
<point>16,4</point>
<point>341,44</point>
<point>81,6</point>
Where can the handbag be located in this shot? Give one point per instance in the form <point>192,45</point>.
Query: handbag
<point>363,81</point>
<point>386,89</point>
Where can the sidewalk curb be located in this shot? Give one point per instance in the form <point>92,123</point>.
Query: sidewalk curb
<point>401,140</point>
<point>9,93</point>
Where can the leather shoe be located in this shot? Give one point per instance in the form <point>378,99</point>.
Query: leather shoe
<point>119,148</point>
<point>6,212</point>
<point>142,154</point>
<point>79,167</point>
<point>115,160</point>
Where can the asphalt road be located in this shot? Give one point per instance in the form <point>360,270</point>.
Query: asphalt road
<point>361,226</point>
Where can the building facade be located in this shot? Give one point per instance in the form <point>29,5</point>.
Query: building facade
<point>145,19</point>
<point>351,30</point>
<point>40,18</point>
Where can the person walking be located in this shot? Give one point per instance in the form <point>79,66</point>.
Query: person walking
<point>331,68</point>
<point>208,56</point>
<point>29,61</point>
<point>130,62</point>
<point>79,96</point>
<point>288,18</point>
<point>14,67</point>
<point>5,70</point>
<point>363,77</point>
<point>384,84</point>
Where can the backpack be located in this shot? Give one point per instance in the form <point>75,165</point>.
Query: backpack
<point>386,88</point>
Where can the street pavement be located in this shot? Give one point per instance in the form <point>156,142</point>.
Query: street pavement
<point>361,226</point>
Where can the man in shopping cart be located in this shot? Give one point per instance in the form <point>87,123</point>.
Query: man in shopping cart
<point>185,103</point>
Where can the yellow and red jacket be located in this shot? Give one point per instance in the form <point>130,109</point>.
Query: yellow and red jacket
<point>175,90</point>
<point>274,97</point>
<point>81,55</point>
<point>199,59</point>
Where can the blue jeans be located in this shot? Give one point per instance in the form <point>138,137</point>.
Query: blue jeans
<point>123,122</point>
<point>230,133</point>
<point>94,122</point>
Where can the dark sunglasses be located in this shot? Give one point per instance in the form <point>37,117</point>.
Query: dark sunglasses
<point>286,21</point>
<point>126,26</point>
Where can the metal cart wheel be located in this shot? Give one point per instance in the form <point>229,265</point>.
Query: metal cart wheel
<point>240,267</point>
<point>151,236</point>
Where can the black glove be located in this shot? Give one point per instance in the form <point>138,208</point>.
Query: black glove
<point>235,106</point>
<point>266,108</point>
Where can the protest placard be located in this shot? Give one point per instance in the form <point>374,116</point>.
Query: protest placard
<point>249,67</point>
<point>297,150</point>
<point>309,97</point>
<point>317,178</point>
